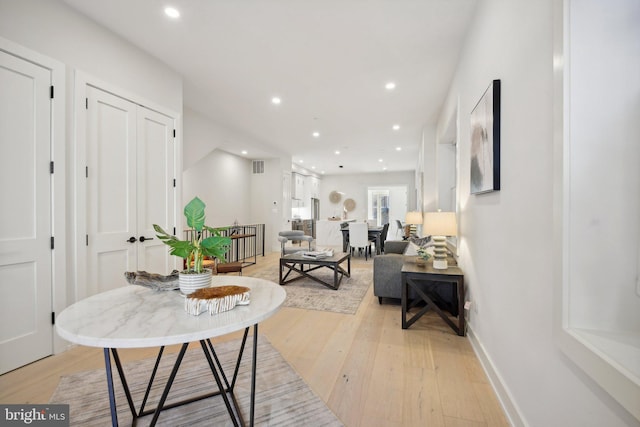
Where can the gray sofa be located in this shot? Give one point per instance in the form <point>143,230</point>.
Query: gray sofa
<point>386,270</point>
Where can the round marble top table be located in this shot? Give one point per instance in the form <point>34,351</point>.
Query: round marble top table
<point>135,316</point>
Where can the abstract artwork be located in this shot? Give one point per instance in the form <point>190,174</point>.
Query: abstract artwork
<point>485,141</point>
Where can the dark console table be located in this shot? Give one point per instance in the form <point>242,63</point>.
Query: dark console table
<point>422,279</point>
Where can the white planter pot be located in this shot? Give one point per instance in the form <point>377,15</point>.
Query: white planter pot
<point>189,282</point>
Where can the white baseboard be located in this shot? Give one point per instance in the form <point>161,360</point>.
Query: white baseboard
<point>514,416</point>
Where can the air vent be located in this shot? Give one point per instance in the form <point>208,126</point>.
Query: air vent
<point>258,166</point>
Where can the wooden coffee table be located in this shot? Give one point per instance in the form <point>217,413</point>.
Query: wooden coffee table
<point>290,262</point>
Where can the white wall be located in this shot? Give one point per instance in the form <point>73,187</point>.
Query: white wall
<point>605,154</point>
<point>54,29</point>
<point>245,197</point>
<point>355,187</point>
<point>51,28</point>
<point>506,235</point>
<point>223,182</point>
<point>267,202</point>
<point>598,304</point>
<point>428,172</point>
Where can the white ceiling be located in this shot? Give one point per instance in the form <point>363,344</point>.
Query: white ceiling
<point>328,60</point>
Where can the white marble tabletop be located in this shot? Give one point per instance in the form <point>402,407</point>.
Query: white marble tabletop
<point>135,316</point>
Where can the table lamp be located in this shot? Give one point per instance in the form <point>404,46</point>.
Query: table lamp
<point>412,219</point>
<point>440,225</point>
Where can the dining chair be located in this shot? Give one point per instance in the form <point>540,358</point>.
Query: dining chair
<point>400,229</point>
<point>359,237</point>
<point>383,237</point>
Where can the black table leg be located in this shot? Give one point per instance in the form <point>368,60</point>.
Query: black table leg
<point>172,377</point>
<point>112,396</point>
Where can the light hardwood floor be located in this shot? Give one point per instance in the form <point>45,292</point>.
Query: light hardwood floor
<point>368,370</point>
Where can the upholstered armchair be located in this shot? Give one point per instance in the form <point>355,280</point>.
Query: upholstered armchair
<point>294,236</point>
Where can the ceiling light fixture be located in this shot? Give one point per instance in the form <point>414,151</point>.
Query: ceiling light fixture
<point>396,127</point>
<point>380,160</point>
<point>398,148</point>
<point>244,151</point>
<point>275,100</point>
<point>337,152</point>
<point>390,86</point>
<point>316,134</point>
<point>172,12</point>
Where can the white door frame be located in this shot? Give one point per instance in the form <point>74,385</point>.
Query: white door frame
<point>78,175</point>
<point>58,179</point>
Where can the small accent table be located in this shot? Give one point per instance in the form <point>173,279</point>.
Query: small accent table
<point>412,278</point>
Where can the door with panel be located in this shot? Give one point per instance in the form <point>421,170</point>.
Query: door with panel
<point>130,159</point>
<point>111,190</point>
<point>26,333</point>
<point>156,189</point>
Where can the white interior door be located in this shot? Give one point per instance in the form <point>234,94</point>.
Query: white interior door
<point>111,190</point>
<point>155,174</point>
<point>25,214</point>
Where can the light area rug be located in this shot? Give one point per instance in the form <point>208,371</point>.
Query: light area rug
<point>311,295</point>
<point>282,397</point>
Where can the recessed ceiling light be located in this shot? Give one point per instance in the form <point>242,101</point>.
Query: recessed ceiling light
<point>396,127</point>
<point>244,151</point>
<point>300,161</point>
<point>171,12</point>
<point>316,134</point>
<point>390,86</point>
<point>337,152</point>
<point>313,167</point>
<point>398,148</point>
<point>384,168</point>
<point>380,160</point>
<point>275,100</point>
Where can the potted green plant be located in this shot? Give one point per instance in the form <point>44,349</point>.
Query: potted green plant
<point>196,248</point>
<point>423,256</point>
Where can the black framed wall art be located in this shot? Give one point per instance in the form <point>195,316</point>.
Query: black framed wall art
<point>485,141</point>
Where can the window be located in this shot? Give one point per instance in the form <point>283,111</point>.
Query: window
<point>378,209</point>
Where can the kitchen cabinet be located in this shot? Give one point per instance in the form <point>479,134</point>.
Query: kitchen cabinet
<point>314,187</point>
<point>297,186</point>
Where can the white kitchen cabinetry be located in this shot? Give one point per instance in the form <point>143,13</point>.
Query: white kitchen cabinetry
<point>314,187</point>
<point>297,186</point>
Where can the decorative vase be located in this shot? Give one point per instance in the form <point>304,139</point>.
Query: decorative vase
<point>190,282</point>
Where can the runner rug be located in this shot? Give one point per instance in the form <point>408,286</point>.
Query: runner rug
<point>282,397</point>
<point>311,295</point>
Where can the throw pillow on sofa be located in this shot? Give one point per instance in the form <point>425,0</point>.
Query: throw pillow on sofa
<point>415,243</point>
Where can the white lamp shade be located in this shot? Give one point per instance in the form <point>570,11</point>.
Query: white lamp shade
<point>413,218</point>
<point>440,224</point>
